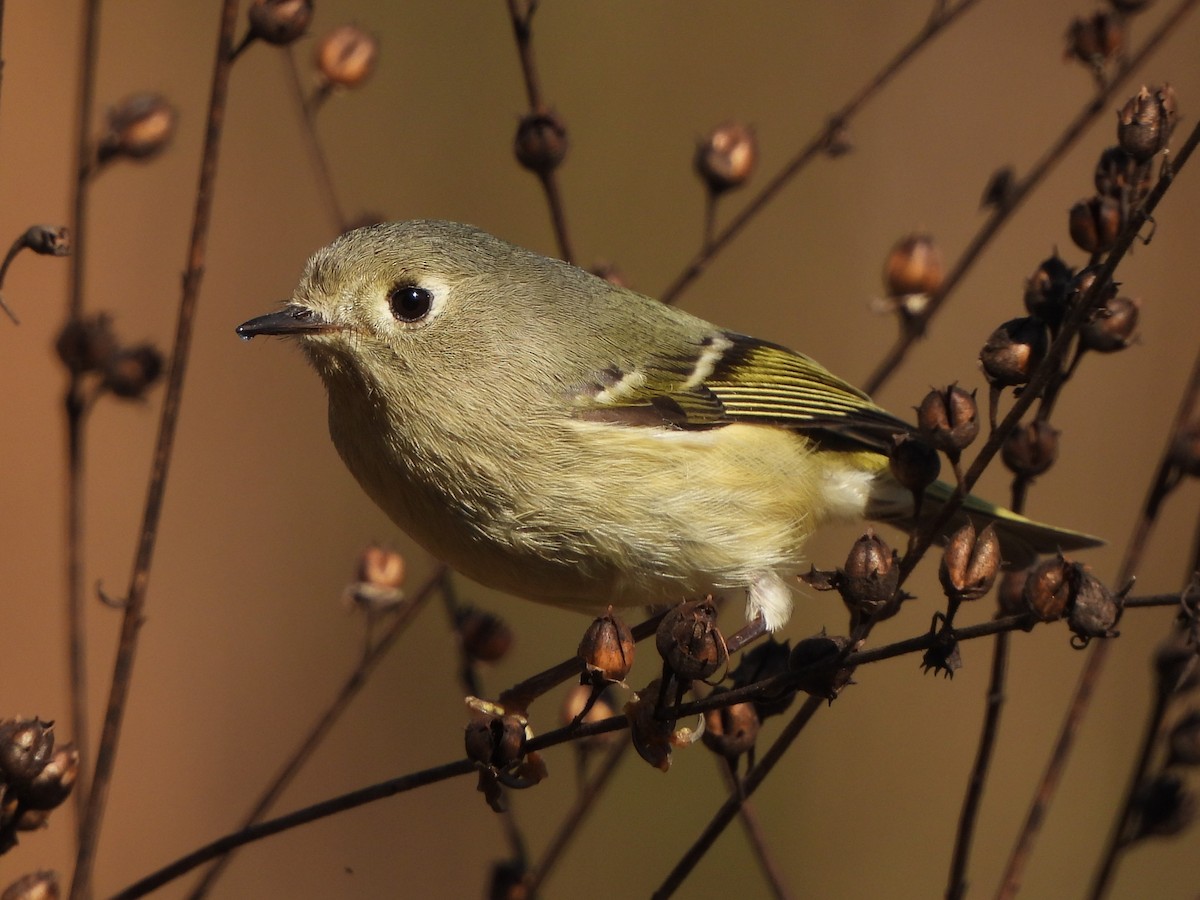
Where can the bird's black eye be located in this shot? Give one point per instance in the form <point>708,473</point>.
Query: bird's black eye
<point>410,303</point>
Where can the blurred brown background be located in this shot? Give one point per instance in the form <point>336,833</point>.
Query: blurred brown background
<point>246,638</point>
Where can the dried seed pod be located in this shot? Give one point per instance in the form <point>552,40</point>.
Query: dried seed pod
<point>130,372</point>
<point>139,127</point>
<point>1048,589</point>
<point>279,22</point>
<point>913,462</point>
<point>1095,224</point>
<point>689,642</point>
<point>1113,327</point>
<point>1095,610</point>
<point>485,636</point>
<point>1096,39</point>
<point>913,266</point>
<point>816,661</point>
<point>651,735</point>
<point>1145,122</point>
<point>1184,740</point>
<point>84,345</point>
<point>1048,289</point>
<point>970,563</point>
<point>41,885</point>
<point>944,657</point>
<point>1013,351</point>
<point>869,580</point>
<point>726,157</point>
<point>949,419</point>
<point>1163,807</point>
<point>1030,449</point>
<point>346,56</point>
<point>26,746</point>
<point>48,240</point>
<point>1084,283</point>
<point>51,786</point>
<point>381,567</point>
<point>1010,598</point>
<point>730,730</point>
<point>541,143</point>
<point>607,649</point>
<point>494,740</point>
<point>1120,176</point>
<point>766,660</point>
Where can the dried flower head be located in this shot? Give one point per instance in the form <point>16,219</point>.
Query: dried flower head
<point>970,563</point>
<point>541,143</point>
<point>869,580</point>
<point>1145,122</point>
<point>139,127</point>
<point>1010,597</point>
<point>689,642</point>
<point>913,266</point>
<point>949,419</point>
<point>607,649</point>
<point>1096,39</point>
<point>1048,589</point>
<point>381,566</point>
<point>84,345</point>
<point>730,731</point>
<point>1013,351</point>
<point>484,636</point>
<point>1163,807</point>
<point>726,157</point>
<point>279,22</point>
<point>346,56</point>
<point>48,240</point>
<point>130,372</point>
<point>41,885</point>
<point>1048,290</point>
<point>1120,176</point>
<point>766,660</point>
<point>1031,448</point>
<point>817,662</point>
<point>51,786</point>
<point>913,462</point>
<point>26,746</point>
<point>1113,326</point>
<point>652,737</point>
<point>1095,224</point>
<point>1095,610</point>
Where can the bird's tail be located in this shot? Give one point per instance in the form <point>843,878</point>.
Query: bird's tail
<point>1021,539</point>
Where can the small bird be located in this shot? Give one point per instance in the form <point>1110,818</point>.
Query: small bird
<point>573,442</point>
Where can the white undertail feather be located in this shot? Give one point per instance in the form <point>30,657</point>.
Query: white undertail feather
<point>771,597</point>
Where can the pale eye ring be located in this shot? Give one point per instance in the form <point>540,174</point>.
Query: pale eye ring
<point>410,303</point>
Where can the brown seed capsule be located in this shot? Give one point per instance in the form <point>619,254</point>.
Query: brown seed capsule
<point>1013,351</point>
<point>1095,610</point>
<point>970,563</point>
<point>279,22</point>
<point>1095,40</point>
<point>130,372</point>
<point>944,657</point>
<point>1113,327</point>
<point>914,266</point>
<point>1145,122</point>
<point>816,662</point>
<point>689,642</point>
<point>869,580</point>
<point>1010,598</point>
<point>346,56</point>
<point>1030,449</point>
<point>1048,289</point>
<point>1095,224</point>
<point>541,143</point>
<point>726,157</point>
<point>1048,589</point>
<point>48,240</point>
<point>1163,807</point>
<point>51,786</point>
<point>84,345</point>
<point>494,740</point>
<point>766,660</point>
<point>485,637</point>
<point>41,885</point>
<point>381,567</point>
<point>607,649</point>
<point>139,127</point>
<point>651,735</point>
<point>913,462</point>
<point>948,419</point>
<point>26,746</point>
<point>730,730</point>
<point>1184,740</point>
<point>1120,176</point>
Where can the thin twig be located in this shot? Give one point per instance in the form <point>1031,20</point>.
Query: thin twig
<point>1160,485</point>
<point>135,600</point>
<point>76,407</point>
<point>817,146</point>
<point>312,141</point>
<point>755,836</point>
<point>916,326</point>
<point>522,23</point>
<point>325,722</point>
<point>575,816</point>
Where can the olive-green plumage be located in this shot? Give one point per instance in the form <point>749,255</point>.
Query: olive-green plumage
<point>574,442</point>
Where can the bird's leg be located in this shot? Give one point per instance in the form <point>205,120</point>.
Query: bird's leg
<point>748,633</point>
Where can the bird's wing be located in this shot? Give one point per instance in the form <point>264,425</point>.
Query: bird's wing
<point>728,378</point>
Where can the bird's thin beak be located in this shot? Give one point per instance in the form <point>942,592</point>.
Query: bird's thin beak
<point>292,319</point>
